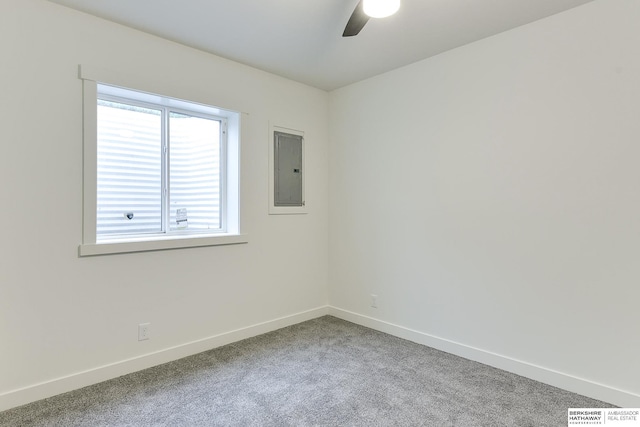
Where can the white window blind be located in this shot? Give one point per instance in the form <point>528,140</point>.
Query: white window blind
<point>195,171</point>
<point>129,193</point>
<point>159,169</point>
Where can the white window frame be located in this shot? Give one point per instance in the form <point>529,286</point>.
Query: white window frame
<point>91,78</point>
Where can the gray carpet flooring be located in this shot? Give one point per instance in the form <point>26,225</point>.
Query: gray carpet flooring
<point>324,372</point>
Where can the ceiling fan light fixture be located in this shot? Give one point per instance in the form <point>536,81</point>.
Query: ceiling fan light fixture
<point>380,8</point>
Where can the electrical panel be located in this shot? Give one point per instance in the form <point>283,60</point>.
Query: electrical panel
<point>288,173</point>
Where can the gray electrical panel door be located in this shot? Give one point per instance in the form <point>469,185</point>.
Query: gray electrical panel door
<point>288,169</point>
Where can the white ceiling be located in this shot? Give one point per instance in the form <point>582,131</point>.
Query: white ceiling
<point>302,39</point>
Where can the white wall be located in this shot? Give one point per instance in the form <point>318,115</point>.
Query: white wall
<point>60,314</point>
<point>490,197</point>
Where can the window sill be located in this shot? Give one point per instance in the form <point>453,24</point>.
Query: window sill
<point>159,244</point>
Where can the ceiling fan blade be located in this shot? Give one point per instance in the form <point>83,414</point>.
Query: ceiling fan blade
<point>356,22</point>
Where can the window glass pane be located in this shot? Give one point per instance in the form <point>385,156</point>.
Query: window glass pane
<point>129,196</point>
<point>194,177</point>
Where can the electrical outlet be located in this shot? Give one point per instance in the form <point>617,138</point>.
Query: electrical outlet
<point>374,300</point>
<point>143,331</point>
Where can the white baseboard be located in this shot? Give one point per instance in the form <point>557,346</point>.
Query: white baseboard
<point>554,378</point>
<point>78,380</point>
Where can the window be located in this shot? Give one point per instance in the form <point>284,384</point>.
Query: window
<point>159,172</point>
<point>160,169</point>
